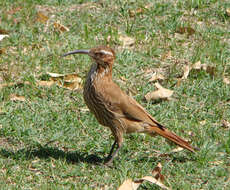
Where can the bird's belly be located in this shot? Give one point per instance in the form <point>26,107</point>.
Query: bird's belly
<point>97,106</point>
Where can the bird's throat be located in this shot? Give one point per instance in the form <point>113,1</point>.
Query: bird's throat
<point>98,72</point>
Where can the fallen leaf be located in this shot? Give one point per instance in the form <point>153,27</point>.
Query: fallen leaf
<point>157,173</point>
<point>228,11</point>
<point>45,83</point>
<point>197,65</point>
<point>133,185</point>
<point>166,55</point>
<point>123,78</point>
<point>55,75</point>
<point>226,124</point>
<point>155,181</point>
<point>186,71</point>
<point>42,18</point>
<point>84,110</point>
<point>216,163</point>
<point>68,81</point>
<point>187,30</point>
<point>127,42</point>
<point>210,70</point>
<point>133,13</point>
<point>2,50</point>
<point>108,39</point>
<point>70,85</point>
<point>60,27</point>
<point>203,122</point>
<point>16,84</point>
<point>2,31</point>
<point>3,36</point>
<point>178,149</point>
<point>129,185</point>
<point>161,93</point>
<point>67,78</point>
<point>226,80</point>
<point>15,97</point>
<point>156,76</point>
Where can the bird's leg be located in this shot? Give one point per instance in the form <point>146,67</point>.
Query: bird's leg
<point>111,150</point>
<point>112,153</point>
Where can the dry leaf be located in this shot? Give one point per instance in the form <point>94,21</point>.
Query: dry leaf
<point>203,122</point>
<point>2,85</point>
<point>133,13</point>
<point>139,10</point>
<point>2,31</point>
<point>166,55</point>
<point>70,85</point>
<point>155,181</point>
<point>60,27</point>
<point>67,78</point>
<point>186,71</point>
<point>3,36</point>
<point>55,75</point>
<point>45,83</point>
<point>84,110</point>
<point>42,18</point>
<point>127,42</point>
<point>216,163</point>
<point>197,65</point>
<point>178,149</point>
<point>228,11</point>
<point>15,97</point>
<point>2,50</point>
<point>226,124</point>
<point>133,185</point>
<point>16,84</point>
<point>226,80</point>
<point>187,30</point>
<point>123,78</point>
<point>157,173</point>
<point>129,185</point>
<point>161,93</point>
<point>209,69</point>
<point>68,81</point>
<point>46,20</point>
<point>156,76</point>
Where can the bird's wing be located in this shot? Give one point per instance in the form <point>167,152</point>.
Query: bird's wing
<point>125,106</point>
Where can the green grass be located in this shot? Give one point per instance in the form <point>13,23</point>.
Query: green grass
<point>49,142</point>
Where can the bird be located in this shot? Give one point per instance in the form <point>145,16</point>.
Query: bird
<point>113,108</point>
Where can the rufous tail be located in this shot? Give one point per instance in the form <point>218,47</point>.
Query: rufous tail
<point>162,131</point>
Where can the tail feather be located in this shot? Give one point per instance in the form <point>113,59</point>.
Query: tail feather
<point>172,137</point>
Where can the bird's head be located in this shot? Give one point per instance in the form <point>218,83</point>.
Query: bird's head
<point>103,55</point>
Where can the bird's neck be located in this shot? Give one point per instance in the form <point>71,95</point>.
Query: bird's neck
<point>98,73</point>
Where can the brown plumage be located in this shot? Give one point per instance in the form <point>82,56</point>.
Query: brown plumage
<point>115,109</point>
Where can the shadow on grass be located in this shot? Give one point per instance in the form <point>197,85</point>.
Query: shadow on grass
<point>173,158</point>
<point>45,152</point>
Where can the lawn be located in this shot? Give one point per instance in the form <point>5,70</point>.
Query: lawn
<point>48,137</point>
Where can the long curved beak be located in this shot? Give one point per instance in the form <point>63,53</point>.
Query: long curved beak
<point>80,51</point>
